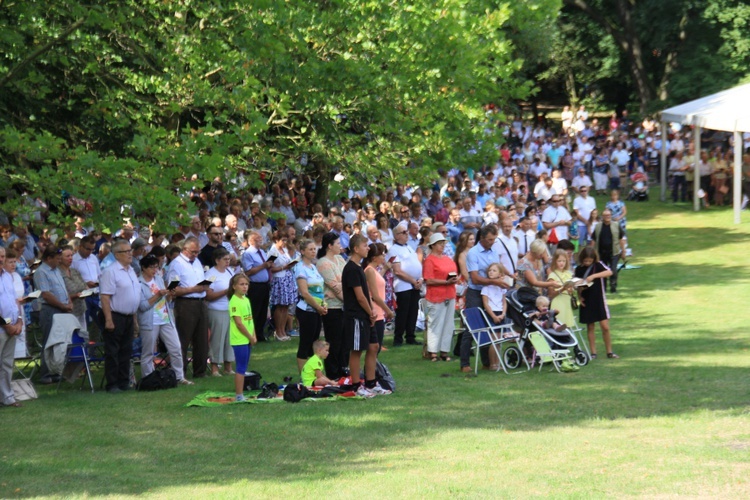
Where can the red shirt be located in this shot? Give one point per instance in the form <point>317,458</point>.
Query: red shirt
<point>437,268</point>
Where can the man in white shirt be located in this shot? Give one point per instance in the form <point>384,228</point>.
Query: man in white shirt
<point>190,311</point>
<point>407,285</point>
<point>581,180</point>
<point>583,205</point>
<point>86,263</point>
<point>524,235</point>
<point>506,246</point>
<point>543,189</point>
<point>556,218</point>
<point>470,217</point>
<point>618,163</point>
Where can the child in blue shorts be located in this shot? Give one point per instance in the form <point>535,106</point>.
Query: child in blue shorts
<point>241,330</point>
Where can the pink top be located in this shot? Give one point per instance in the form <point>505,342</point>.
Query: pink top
<point>380,283</point>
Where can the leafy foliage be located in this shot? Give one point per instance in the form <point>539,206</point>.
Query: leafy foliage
<point>122,103</point>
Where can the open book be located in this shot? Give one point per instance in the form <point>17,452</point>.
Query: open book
<point>576,282</point>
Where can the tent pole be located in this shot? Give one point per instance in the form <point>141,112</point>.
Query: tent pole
<point>696,170</point>
<point>663,177</point>
<point>737,177</point>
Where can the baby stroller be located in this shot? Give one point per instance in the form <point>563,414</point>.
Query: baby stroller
<point>639,191</point>
<point>521,304</point>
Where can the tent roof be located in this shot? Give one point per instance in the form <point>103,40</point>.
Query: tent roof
<point>728,110</point>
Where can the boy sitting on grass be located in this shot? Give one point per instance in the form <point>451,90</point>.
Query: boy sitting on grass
<point>312,372</point>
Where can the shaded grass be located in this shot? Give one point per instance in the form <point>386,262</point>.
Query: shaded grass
<point>669,418</point>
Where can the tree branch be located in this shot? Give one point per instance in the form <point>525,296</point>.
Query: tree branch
<point>41,50</point>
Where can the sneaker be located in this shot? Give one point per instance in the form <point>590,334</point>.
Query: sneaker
<point>184,381</point>
<point>379,391</point>
<point>365,392</point>
<point>240,398</point>
<point>293,333</point>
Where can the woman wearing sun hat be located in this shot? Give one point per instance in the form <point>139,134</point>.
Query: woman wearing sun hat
<point>441,275</point>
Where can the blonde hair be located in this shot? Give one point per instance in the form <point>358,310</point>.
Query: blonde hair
<point>538,247</point>
<point>497,265</point>
<point>542,301</point>
<point>319,344</point>
<point>560,253</point>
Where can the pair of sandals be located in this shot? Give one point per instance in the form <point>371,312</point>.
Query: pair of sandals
<point>610,355</point>
<point>434,358</point>
<point>285,338</point>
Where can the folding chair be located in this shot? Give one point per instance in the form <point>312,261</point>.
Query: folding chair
<point>486,335</point>
<point>545,353</point>
<point>78,352</point>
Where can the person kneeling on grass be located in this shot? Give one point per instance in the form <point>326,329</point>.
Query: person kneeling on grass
<point>241,330</point>
<point>359,320</point>
<point>312,372</point>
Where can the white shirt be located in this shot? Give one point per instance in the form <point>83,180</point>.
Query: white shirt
<point>524,239</point>
<point>578,182</point>
<point>88,267</point>
<point>507,248</point>
<point>584,206</point>
<point>557,214</point>
<point>221,282</point>
<point>189,274</point>
<point>409,264</point>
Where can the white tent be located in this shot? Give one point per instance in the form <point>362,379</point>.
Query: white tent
<point>727,111</point>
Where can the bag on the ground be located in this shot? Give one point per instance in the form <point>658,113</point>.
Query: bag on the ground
<point>294,393</point>
<point>330,391</point>
<point>23,389</point>
<point>252,381</point>
<point>158,380</point>
<point>268,391</point>
<point>384,377</point>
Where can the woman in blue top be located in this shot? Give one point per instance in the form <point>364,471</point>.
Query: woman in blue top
<point>311,306</point>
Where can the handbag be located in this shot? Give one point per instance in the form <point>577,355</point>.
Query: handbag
<point>573,302</point>
<point>23,389</point>
<point>553,237</point>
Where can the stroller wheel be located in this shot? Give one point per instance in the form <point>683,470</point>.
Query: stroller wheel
<point>512,358</point>
<point>582,359</point>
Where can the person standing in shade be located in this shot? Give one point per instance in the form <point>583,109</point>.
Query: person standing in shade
<point>331,265</point>
<point>220,350</point>
<point>407,285</point>
<point>190,310</point>
<point>11,325</point>
<point>54,299</point>
<point>256,265</point>
<point>86,263</point>
<point>120,294</point>
<point>311,306</point>
<point>359,321</point>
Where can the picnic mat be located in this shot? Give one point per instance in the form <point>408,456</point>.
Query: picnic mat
<point>213,398</point>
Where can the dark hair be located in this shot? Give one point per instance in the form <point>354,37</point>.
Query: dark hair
<point>489,229</point>
<point>328,240</point>
<point>157,251</point>
<point>149,261</point>
<point>49,251</point>
<point>565,245</point>
<point>88,239</point>
<point>219,253</point>
<point>587,253</point>
<point>10,254</point>
<point>376,250</point>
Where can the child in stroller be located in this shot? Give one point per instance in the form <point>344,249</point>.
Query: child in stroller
<point>639,189</point>
<point>546,316</point>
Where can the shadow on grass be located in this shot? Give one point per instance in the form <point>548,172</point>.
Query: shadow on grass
<point>78,443</point>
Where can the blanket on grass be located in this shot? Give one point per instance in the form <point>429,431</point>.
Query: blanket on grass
<point>213,398</point>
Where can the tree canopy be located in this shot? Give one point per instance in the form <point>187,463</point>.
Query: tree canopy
<point>120,104</point>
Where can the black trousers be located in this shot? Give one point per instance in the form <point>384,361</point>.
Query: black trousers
<point>612,261</point>
<point>118,348</point>
<point>338,355</point>
<point>191,317</point>
<point>259,295</point>
<point>309,332</point>
<point>407,310</point>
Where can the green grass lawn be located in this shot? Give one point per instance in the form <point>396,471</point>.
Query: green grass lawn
<point>669,418</point>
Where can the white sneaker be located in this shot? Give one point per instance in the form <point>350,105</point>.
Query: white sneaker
<point>241,398</point>
<point>184,381</point>
<point>365,392</point>
<point>379,391</point>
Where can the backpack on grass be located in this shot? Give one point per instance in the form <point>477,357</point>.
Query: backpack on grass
<point>158,380</point>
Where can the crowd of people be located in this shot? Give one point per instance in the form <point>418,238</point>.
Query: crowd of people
<point>257,264</point>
